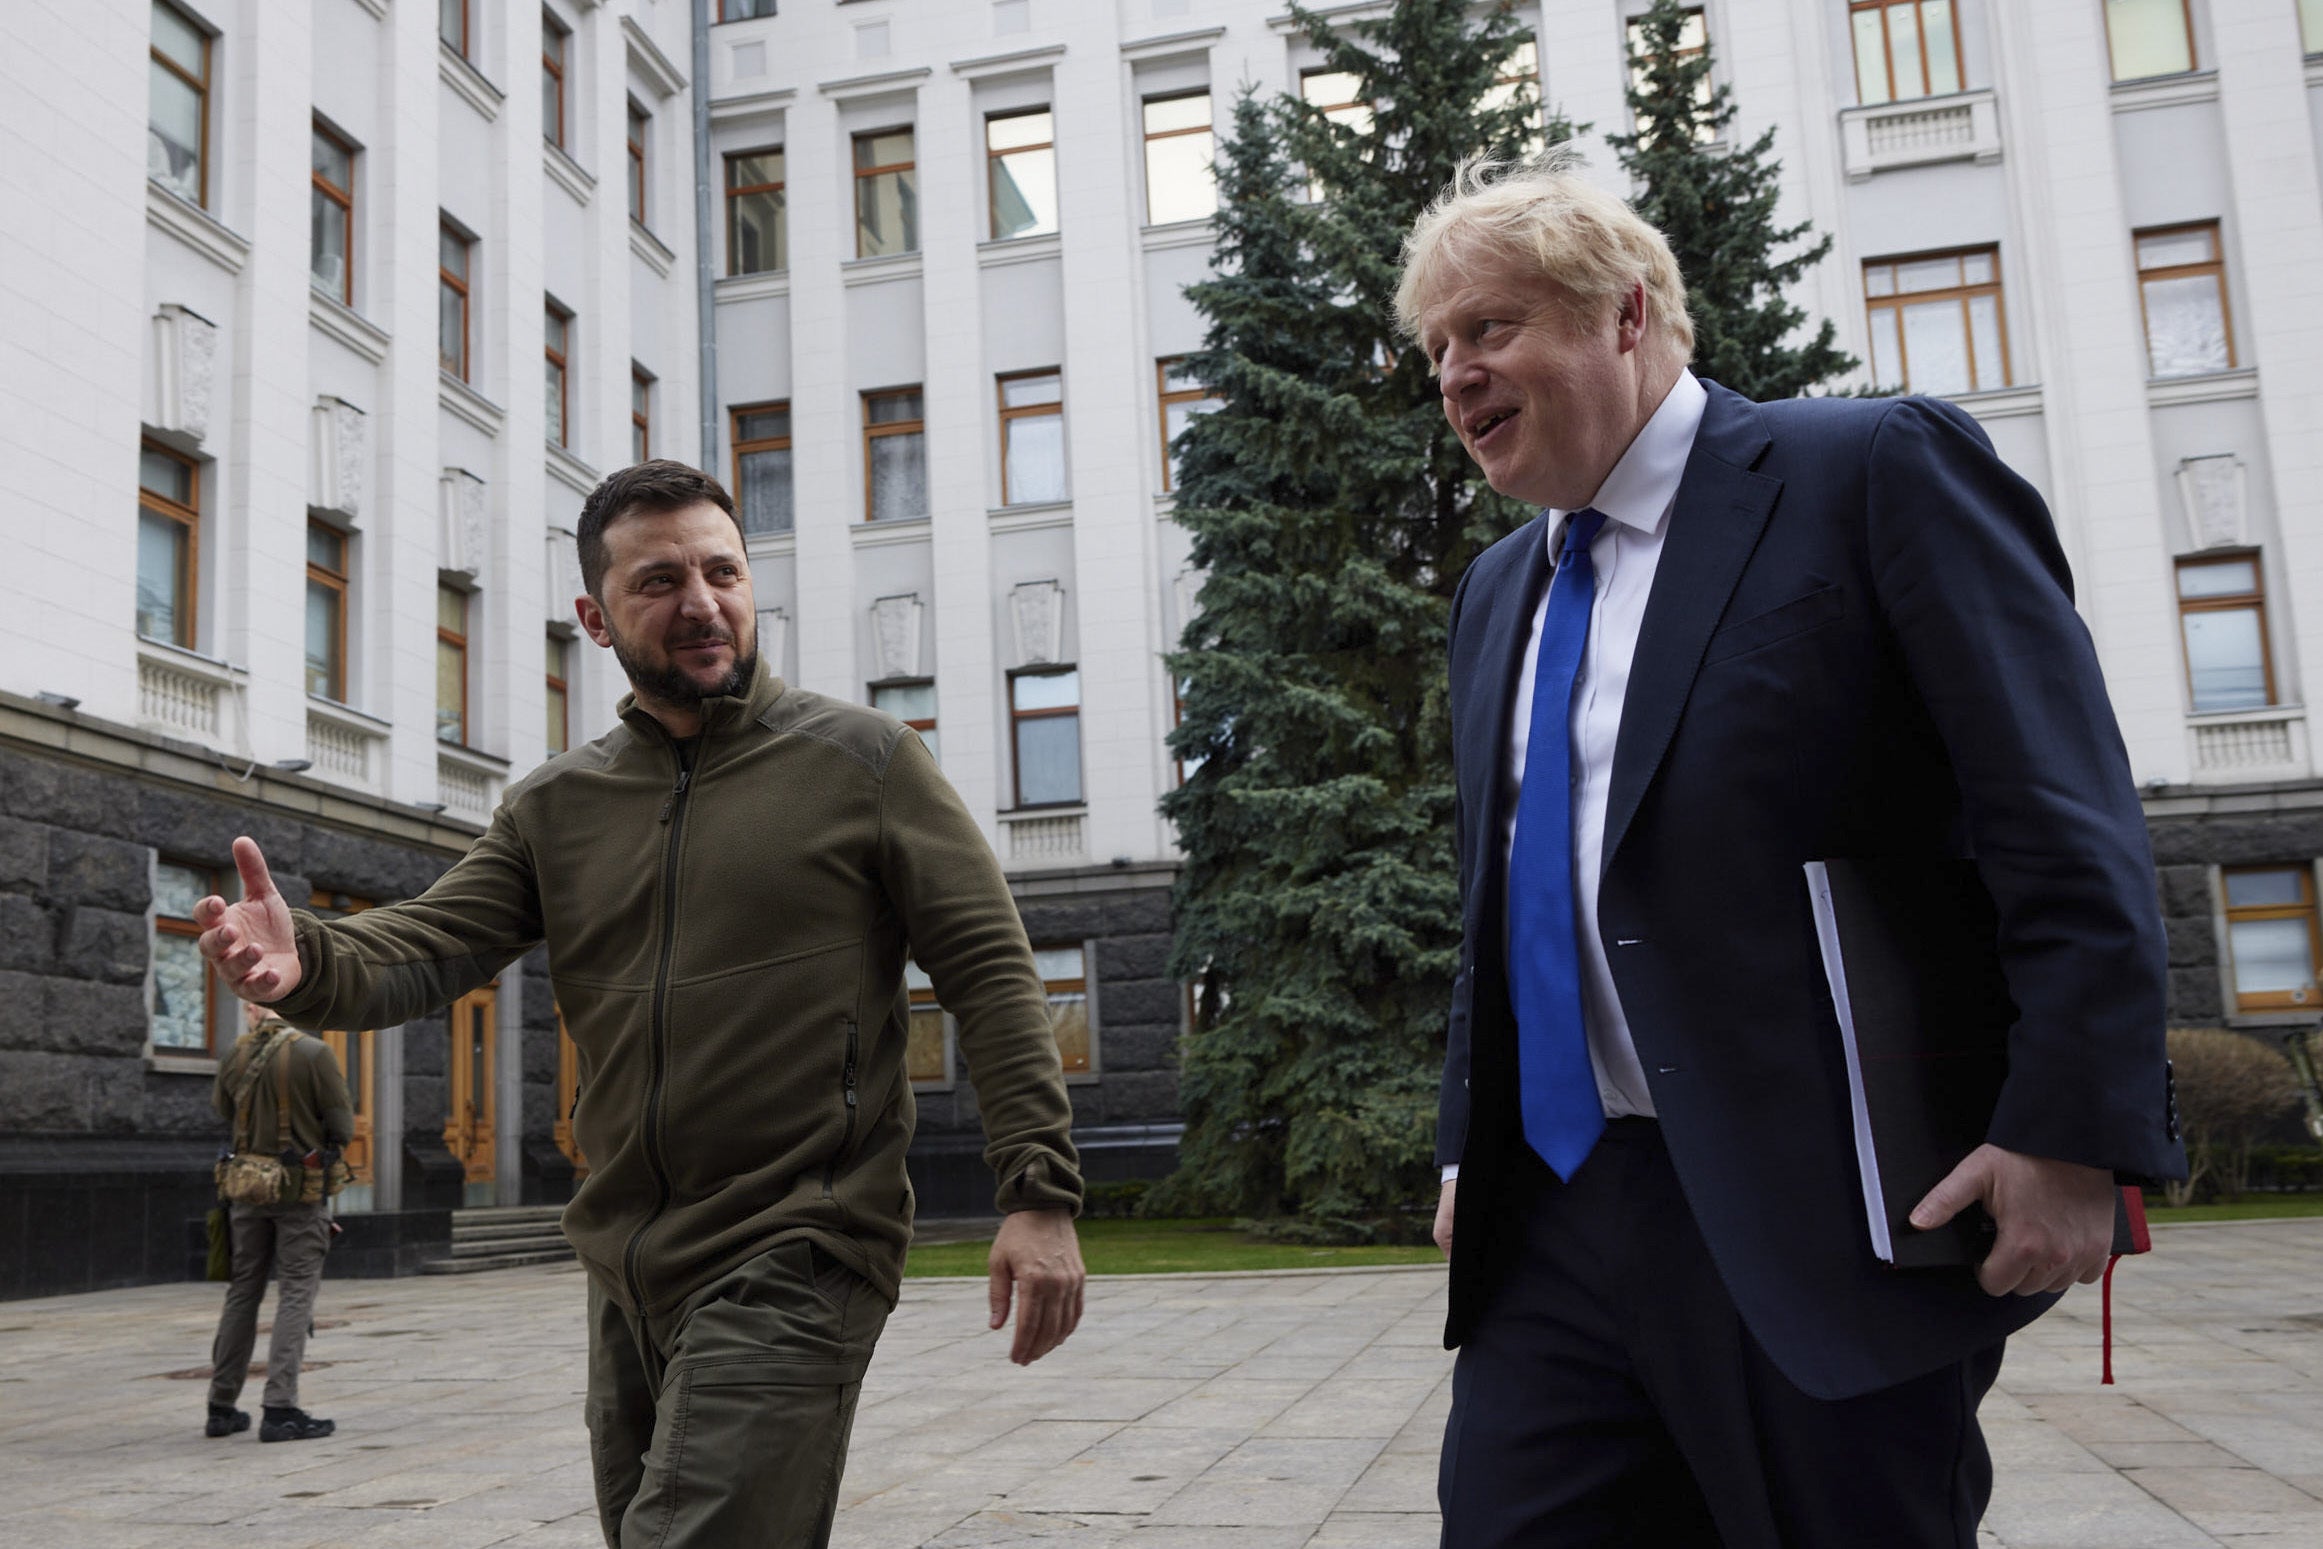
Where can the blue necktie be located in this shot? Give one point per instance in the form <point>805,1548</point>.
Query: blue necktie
<point>1556,1087</point>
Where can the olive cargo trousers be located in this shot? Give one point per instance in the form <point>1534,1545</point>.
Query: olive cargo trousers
<point>287,1241</point>
<point>725,1424</point>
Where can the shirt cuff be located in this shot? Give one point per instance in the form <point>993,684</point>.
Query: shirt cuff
<point>1451,1171</point>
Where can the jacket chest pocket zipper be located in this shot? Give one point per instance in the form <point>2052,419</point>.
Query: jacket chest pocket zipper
<point>847,1092</point>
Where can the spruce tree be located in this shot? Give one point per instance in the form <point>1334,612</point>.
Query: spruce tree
<point>1716,205</point>
<point>1332,512</point>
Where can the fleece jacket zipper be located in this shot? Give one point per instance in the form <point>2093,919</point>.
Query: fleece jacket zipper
<point>673,816</point>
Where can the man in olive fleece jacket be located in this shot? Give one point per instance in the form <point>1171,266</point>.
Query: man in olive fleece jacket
<point>729,884</point>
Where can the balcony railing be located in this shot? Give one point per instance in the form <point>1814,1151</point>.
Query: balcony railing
<point>185,695</point>
<point>468,784</point>
<point>1046,839</point>
<point>346,746</point>
<point>1963,127</point>
<point>2266,744</point>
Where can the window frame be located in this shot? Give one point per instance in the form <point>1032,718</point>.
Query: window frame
<point>344,198</point>
<point>2262,1001</point>
<point>340,583</point>
<point>1083,986</point>
<point>2193,48</point>
<point>873,432</point>
<point>187,601</point>
<point>2254,601</point>
<point>1896,300</point>
<point>556,682</point>
<point>737,192</point>
<point>563,361</point>
<point>467,37</point>
<point>458,640</point>
<point>739,447</point>
<point>201,94</point>
<point>925,725</point>
<point>1164,398</point>
<point>723,17</point>
<point>1017,717</point>
<point>1148,136</point>
<point>1887,49</point>
<point>863,174</point>
<point>553,65</point>
<point>1634,60</point>
<point>1009,416</point>
<point>993,159</point>
<point>641,412</point>
<point>916,1000</point>
<point>458,285</point>
<point>185,928</point>
<point>638,135</point>
<point>2214,267</point>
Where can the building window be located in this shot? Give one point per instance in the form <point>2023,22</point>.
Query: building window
<point>452,25</point>
<point>555,47</point>
<point>2222,613</point>
<point>744,10</point>
<point>887,213</point>
<point>326,611</point>
<point>177,109</point>
<point>640,413</point>
<point>927,1051</point>
<point>2271,936</point>
<point>761,435</point>
<point>1044,712</point>
<point>331,261</point>
<point>557,347</point>
<point>1693,42</point>
<point>755,226</point>
<point>1065,978</point>
<point>2149,37</point>
<point>169,527</point>
<point>558,674</point>
<point>1186,765</point>
<point>913,703</point>
<point>1904,49</point>
<point>188,1014</point>
<point>1182,398</point>
<point>451,665</point>
<point>2311,26</point>
<point>895,456</point>
<point>1181,178</point>
<point>2182,288</point>
<point>453,251</point>
<point>1522,70</point>
<point>1020,162</point>
<point>1937,325</point>
<point>640,124</point>
<point>1032,438</point>
<point>1338,96</point>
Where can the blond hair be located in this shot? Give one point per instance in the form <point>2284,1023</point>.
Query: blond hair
<point>1542,218</point>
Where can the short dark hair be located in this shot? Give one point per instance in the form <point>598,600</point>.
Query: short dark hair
<point>649,488</point>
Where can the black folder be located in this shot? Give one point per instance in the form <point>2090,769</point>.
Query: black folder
<point>1911,946</point>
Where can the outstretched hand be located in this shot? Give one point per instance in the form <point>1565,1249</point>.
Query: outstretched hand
<point>2055,1218</point>
<point>1037,1255</point>
<point>251,943</point>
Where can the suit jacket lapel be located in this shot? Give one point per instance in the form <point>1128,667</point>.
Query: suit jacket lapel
<point>1715,523</point>
<point>1507,630</point>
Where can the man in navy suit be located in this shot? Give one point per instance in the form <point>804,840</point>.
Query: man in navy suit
<point>1740,637</point>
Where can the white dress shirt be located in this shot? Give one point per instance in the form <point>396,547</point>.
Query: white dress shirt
<point>1636,499</point>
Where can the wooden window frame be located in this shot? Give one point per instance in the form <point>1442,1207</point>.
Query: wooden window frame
<point>2254,600</point>
<point>458,641</point>
<point>1635,59</point>
<point>1887,50</point>
<point>467,31</point>
<point>555,38</point>
<point>739,191</point>
<point>458,284</point>
<point>175,925</point>
<point>741,447</point>
<point>2305,908</point>
<point>993,159</point>
<point>201,92</point>
<point>190,518</point>
<point>559,685</point>
<point>925,725</point>
<point>1896,300</point>
<point>1148,136</point>
<point>723,17</point>
<point>344,198</point>
<point>1009,416</point>
<point>2193,49</point>
<point>864,173</point>
<point>1164,397</point>
<point>641,411</point>
<point>639,125</point>
<point>1052,988</point>
<point>2214,268</point>
<point>356,1049</point>
<point>1018,717</point>
<point>336,581</point>
<point>873,432</point>
<point>563,361</point>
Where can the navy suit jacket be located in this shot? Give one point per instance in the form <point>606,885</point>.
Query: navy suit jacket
<point>1860,641</point>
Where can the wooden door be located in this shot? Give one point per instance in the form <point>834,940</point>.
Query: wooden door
<point>356,1053</point>
<point>469,1131</point>
<point>568,1093</point>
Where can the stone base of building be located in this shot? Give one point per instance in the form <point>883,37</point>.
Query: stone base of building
<point>949,1178</point>
<point>92,1212</point>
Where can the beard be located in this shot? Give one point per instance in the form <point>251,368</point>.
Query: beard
<point>666,683</point>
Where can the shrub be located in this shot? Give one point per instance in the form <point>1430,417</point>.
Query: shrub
<point>2229,1089</point>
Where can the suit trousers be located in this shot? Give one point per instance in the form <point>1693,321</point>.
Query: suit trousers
<point>1610,1395</point>
<point>287,1241</point>
<point>725,1422</point>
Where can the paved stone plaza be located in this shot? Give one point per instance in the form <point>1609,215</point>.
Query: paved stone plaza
<point>1232,1412</point>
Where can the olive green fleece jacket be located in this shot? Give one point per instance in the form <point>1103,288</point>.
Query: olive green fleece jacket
<point>320,1112</point>
<point>727,944</point>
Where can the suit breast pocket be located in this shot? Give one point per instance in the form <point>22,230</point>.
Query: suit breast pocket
<point>1813,611</point>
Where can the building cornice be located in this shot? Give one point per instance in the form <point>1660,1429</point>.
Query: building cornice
<point>2166,91</point>
<point>1016,60</point>
<point>1348,11</point>
<point>349,327</point>
<point>1003,251</point>
<point>871,271</point>
<point>1197,41</point>
<point>648,59</point>
<point>879,535</point>
<point>728,108</point>
<point>655,253</point>
<point>196,228</point>
<point>568,173</point>
<point>468,82</point>
<point>2210,387</point>
<point>751,287</point>
<point>887,81</point>
<point>465,403</point>
<point>573,472</point>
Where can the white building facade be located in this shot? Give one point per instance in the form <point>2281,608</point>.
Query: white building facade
<point>909,275</point>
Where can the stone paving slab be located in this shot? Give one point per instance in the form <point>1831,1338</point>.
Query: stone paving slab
<point>1270,1411</point>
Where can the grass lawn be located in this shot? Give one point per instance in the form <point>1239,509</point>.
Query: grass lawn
<point>2251,1207</point>
<point>1115,1247</point>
